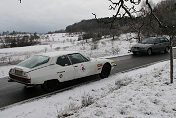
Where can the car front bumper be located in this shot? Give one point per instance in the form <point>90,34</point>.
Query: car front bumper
<point>139,50</point>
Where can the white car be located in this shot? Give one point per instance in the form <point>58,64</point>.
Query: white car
<point>51,69</point>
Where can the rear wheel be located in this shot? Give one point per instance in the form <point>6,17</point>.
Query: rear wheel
<point>166,50</point>
<point>105,72</point>
<point>149,51</point>
<point>50,85</point>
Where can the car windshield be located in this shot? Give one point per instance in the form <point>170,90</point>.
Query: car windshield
<point>34,61</point>
<point>148,41</point>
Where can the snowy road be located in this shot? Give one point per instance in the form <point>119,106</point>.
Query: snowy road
<point>13,92</point>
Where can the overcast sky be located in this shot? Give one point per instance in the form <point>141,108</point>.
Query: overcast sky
<point>48,15</point>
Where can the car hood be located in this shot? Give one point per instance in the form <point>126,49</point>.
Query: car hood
<point>102,60</point>
<point>142,45</point>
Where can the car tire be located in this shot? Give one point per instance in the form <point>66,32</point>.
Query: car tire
<point>50,85</point>
<point>134,53</point>
<point>166,50</point>
<point>29,88</point>
<point>149,51</point>
<point>106,70</point>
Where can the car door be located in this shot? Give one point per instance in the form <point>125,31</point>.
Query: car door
<point>80,64</point>
<point>91,66</point>
<point>165,43</point>
<point>64,69</point>
<point>157,45</point>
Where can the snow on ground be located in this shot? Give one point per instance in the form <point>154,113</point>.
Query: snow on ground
<point>4,70</point>
<point>64,41</point>
<point>142,93</point>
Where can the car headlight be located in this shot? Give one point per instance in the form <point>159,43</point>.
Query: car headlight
<point>112,63</point>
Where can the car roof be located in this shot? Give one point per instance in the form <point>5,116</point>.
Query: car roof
<point>155,37</point>
<point>57,53</point>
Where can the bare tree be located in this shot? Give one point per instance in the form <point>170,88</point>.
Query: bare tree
<point>2,41</point>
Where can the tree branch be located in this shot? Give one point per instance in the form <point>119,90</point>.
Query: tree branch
<point>156,18</point>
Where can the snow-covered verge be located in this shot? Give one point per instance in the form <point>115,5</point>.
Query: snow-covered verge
<point>142,93</point>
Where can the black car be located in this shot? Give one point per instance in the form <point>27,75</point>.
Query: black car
<point>151,45</point>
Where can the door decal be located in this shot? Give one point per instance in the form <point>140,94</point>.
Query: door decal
<point>83,67</point>
<point>60,75</point>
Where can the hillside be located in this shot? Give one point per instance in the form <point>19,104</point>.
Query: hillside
<point>100,25</point>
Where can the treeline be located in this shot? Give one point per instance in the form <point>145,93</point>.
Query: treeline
<point>96,28</point>
<point>19,40</point>
<point>100,25</point>
<point>12,33</point>
<point>57,31</point>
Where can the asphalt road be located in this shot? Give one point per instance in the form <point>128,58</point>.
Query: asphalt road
<point>11,93</point>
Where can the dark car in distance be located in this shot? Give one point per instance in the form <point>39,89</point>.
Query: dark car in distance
<point>151,45</point>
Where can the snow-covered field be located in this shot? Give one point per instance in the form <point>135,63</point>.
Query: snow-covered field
<point>142,93</point>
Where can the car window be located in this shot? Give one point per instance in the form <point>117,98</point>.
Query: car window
<point>157,40</point>
<point>63,61</point>
<point>34,61</point>
<point>76,58</point>
<point>148,41</point>
<point>85,59</point>
<point>164,40</point>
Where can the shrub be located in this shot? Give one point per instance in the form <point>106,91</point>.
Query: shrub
<point>87,100</point>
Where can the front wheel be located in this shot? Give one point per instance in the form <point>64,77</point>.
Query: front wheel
<point>166,50</point>
<point>105,72</point>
